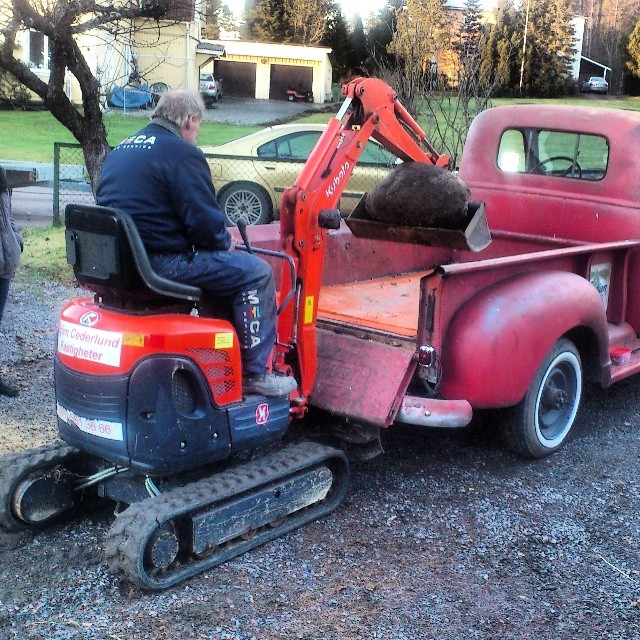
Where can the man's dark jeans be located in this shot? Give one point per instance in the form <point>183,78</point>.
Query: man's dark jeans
<point>243,278</point>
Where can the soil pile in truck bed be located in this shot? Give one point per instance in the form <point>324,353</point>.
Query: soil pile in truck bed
<point>419,194</point>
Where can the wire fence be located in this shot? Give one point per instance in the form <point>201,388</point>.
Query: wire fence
<point>71,182</point>
<point>250,184</point>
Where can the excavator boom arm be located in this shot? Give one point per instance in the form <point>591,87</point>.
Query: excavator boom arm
<point>370,109</point>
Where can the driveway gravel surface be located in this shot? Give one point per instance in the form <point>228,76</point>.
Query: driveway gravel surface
<point>445,536</point>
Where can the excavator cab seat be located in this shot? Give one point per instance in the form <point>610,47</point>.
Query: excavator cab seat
<point>108,257</point>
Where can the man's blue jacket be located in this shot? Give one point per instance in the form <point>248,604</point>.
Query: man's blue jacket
<point>164,183</point>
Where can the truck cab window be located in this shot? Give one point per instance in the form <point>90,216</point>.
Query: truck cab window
<point>561,154</point>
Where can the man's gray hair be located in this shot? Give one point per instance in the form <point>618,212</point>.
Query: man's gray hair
<point>177,105</point>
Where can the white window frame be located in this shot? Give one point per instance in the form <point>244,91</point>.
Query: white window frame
<point>26,47</point>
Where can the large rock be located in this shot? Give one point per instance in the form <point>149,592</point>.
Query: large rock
<point>419,194</point>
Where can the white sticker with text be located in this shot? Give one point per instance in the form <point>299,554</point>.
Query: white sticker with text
<point>94,426</point>
<point>86,343</point>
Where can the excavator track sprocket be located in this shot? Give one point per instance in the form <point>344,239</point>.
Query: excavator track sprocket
<point>163,540</point>
<point>34,490</point>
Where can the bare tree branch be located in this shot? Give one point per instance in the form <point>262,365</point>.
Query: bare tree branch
<point>61,21</point>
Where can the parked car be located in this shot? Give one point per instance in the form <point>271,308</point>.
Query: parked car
<point>250,174</point>
<point>595,85</point>
<point>210,88</point>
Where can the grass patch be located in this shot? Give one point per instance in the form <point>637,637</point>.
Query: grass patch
<point>34,132</point>
<point>44,257</point>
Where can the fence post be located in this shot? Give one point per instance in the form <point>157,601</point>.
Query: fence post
<point>56,184</point>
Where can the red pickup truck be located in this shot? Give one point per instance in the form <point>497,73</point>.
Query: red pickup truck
<point>423,335</point>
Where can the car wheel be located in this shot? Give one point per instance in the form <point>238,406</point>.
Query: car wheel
<point>545,416</point>
<point>290,98</point>
<point>248,200</point>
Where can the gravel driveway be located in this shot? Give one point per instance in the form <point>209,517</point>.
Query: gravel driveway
<point>250,111</point>
<point>446,536</point>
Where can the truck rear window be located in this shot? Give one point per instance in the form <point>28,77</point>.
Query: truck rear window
<point>561,154</point>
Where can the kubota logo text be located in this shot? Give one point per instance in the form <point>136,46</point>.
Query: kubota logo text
<point>337,179</point>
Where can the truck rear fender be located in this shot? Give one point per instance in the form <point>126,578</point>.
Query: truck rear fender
<point>498,338</point>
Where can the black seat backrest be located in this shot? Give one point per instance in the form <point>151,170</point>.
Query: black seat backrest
<point>106,251</point>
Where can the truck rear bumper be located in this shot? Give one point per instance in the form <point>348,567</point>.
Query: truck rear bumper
<point>430,412</point>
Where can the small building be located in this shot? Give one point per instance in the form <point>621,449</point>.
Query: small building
<point>149,51</point>
<point>264,70</point>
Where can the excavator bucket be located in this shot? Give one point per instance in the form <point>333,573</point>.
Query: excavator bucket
<point>472,233</point>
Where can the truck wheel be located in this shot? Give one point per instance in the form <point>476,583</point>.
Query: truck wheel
<point>245,199</point>
<point>545,416</point>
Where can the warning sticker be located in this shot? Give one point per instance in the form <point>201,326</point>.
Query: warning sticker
<point>308,309</point>
<point>94,426</point>
<point>86,343</point>
<point>223,340</point>
<point>133,340</point>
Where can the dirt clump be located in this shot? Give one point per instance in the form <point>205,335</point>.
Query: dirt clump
<point>421,195</point>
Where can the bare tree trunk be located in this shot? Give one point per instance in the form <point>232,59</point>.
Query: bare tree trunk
<point>62,21</point>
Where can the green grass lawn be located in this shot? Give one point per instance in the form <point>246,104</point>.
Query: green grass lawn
<point>34,132</point>
<point>44,257</point>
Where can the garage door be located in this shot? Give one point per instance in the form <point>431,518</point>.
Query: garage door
<point>238,78</point>
<point>284,76</point>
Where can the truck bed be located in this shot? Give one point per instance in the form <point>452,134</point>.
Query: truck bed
<point>387,304</point>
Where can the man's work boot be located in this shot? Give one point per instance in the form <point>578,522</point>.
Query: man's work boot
<point>7,389</point>
<point>268,384</point>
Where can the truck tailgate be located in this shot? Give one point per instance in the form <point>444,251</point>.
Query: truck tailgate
<point>359,378</point>
<point>366,345</point>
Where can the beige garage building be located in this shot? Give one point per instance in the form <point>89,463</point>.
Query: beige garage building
<point>265,71</point>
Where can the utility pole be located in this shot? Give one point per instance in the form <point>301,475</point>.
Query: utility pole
<point>524,44</point>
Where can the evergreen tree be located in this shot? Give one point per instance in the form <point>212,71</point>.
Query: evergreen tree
<point>549,53</point>
<point>633,49</point>
<point>544,67</point>
<point>499,57</point>
<point>471,29</point>
<point>358,41</point>
<point>381,32</point>
<point>294,21</point>
<point>337,39</point>
<point>217,16</point>
<point>265,21</point>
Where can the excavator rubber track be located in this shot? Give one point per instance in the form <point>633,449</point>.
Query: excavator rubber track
<point>39,467</point>
<point>165,539</point>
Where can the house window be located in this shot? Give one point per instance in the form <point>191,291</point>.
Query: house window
<point>174,10</point>
<point>38,50</point>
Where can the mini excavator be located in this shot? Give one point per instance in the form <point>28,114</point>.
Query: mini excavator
<point>148,382</point>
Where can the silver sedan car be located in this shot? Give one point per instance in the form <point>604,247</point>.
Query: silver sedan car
<point>595,84</point>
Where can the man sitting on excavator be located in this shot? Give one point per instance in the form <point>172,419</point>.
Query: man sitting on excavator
<point>162,180</point>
